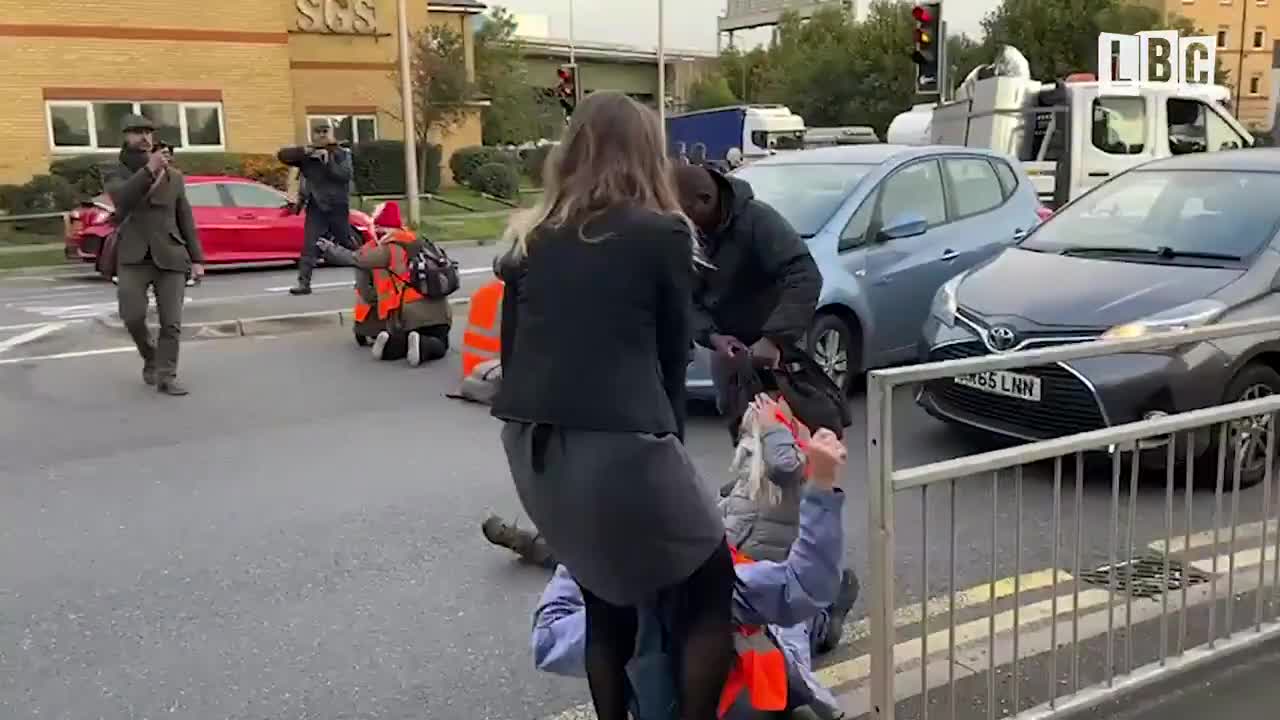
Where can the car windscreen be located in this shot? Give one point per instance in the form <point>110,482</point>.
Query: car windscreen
<point>1205,214</point>
<point>807,195</point>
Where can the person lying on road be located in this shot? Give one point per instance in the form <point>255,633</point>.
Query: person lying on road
<point>773,603</point>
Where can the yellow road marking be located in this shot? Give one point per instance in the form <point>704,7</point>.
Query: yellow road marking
<point>1204,538</point>
<point>910,650</point>
<point>972,597</point>
<point>1248,557</point>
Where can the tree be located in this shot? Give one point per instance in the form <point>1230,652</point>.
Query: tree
<point>439,85</point>
<point>519,111</point>
<point>745,72</point>
<point>710,91</point>
<point>1060,37</point>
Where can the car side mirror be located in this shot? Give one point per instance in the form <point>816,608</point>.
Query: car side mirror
<point>903,226</point>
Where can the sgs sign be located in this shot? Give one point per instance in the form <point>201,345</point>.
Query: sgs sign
<point>347,17</point>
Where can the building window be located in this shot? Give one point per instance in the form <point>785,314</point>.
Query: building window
<point>1222,37</point>
<point>76,126</point>
<point>349,128</point>
<point>1259,38</point>
<point>1255,85</point>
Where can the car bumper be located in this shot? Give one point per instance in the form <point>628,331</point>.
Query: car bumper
<point>1076,396</point>
<point>698,384</point>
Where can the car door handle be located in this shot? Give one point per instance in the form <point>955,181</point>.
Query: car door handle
<point>948,255</point>
<point>247,216</point>
<point>1099,173</point>
<point>1019,234</point>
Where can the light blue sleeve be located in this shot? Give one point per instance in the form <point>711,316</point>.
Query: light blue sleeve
<point>783,461</point>
<point>560,627</point>
<point>793,591</point>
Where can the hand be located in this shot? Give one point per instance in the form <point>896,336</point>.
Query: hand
<point>766,352</point>
<point>827,455</point>
<point>322,155</point>
<point>157,162</point>
<point>324,245</point>
<point>197,270</point>
<point>768,410</point>
<point>727,345</point>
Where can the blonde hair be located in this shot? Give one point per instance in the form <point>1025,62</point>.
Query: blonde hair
<point>610,155</point>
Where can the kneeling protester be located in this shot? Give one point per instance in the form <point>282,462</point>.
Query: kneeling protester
<point>402,286</point>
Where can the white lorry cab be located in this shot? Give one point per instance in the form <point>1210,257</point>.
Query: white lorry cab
<point>1075,133</point>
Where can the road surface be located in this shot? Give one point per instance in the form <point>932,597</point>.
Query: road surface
<point>300,536</point>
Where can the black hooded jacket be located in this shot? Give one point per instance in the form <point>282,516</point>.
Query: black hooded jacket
<point>764,282</point>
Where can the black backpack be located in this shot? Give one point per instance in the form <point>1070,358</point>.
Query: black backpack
<point>432,272</point>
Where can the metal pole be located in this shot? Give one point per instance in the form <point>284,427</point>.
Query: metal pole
<point>573,55</point>
<point>1244,16</point>
<point>662,72</point>
<point>410,128</point>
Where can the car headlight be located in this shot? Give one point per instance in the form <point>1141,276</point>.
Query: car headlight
<point>945,303</point>
<point>1184,317</point>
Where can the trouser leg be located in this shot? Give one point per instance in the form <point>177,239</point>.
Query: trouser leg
<point>171,290</point>
<point>131,295</point>
<point>314,227</point>
<point>338,227</point>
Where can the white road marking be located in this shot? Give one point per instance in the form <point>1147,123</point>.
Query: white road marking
<point>28,326</point>
<point>76,354</point>
<point>475,271</point>
<point>347,283</point>
<point>30,335</point>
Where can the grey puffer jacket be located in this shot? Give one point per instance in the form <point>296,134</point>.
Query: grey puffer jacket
<point>758,528</point>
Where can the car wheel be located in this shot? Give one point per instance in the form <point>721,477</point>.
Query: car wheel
<point>833,346</point>
<point>1246,437</point>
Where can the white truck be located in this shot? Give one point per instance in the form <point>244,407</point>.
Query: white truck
<point>1074,133</point>
<point>754,131</point>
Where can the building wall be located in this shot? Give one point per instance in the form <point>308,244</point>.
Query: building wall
<point>1230,16</point>
<point>250,55</point>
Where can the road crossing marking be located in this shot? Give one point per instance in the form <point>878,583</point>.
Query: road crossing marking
<point>31,335</point>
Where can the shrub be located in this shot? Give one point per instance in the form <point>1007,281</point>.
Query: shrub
<point>533,160</point>
<point>496,179</point>
<point>83,172</point>
<point>378,167</point>
<point>41,194</point>
<point>265,169</point>
<point>209,163</point>
<point>466,161</point>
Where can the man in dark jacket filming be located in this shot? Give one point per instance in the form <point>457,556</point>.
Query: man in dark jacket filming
<point>325,167</point>
<point>761,292</point>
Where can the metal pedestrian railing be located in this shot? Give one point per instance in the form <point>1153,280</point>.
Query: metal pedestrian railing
<point>1137,595</point>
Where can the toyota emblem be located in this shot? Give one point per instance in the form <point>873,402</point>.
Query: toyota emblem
<point>1002,337</point>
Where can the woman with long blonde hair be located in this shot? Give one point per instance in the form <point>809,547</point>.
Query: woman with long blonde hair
<point>596,338</point>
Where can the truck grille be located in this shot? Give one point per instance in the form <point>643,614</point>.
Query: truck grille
<point>1066,406</point>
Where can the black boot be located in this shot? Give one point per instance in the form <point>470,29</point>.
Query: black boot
<point>305,267</point>
<point>529,546</point>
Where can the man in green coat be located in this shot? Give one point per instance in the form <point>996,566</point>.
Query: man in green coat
<point>156,247</point>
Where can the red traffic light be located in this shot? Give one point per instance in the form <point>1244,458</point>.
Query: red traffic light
<point>921,14</point>
<point>565,75</point>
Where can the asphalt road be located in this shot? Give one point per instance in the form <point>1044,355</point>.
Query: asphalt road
<point>299,537</point>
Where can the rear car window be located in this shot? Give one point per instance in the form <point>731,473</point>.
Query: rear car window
<point>1008,178</point>
<point>974,186</point>
<point>204,195</point>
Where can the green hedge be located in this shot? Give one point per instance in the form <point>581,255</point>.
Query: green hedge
<point>496,179</point>
<point>466,161</point>
<point>533,161</point>
<point>41,194</point>
<point>379,168</point>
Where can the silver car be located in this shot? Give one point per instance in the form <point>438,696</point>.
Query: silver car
<point>887,225</point>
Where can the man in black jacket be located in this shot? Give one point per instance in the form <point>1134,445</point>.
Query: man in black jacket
<point>326,185</point>
<point>762,291</point>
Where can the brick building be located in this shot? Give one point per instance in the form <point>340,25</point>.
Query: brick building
<point>1245,30</point>
<point>217,75</point>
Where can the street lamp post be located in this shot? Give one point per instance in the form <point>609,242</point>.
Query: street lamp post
<point>1244,18</point>
<point>662,74</point>
<point>406,95</point>
<point>573,60</point>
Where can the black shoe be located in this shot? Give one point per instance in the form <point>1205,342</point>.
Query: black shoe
<point>149,374</point>
<point>300,289</point>
<point>171,387</point>
<point>529,546</point>
<point>845,599</point>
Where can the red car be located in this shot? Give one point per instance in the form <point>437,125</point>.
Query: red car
<point>239,221</point>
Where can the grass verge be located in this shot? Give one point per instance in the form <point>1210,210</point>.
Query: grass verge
<point>32,256</point>
<point>455,228</point>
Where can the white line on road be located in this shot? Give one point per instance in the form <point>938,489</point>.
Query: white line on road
<point>76,354</point>
<point>28,326</point>
<point>30,335</point>
<point>347,283</point>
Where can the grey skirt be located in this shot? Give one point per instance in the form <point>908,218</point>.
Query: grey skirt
<point>625,512</point>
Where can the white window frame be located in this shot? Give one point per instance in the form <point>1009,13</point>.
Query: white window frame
<point>354,124</point>
<point>95,145</point>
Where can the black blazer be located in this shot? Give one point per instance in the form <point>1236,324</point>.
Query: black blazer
<point>596,333</point>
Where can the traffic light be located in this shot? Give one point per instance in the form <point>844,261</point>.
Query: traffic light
<point>567,91</point>
<point>928,46</point>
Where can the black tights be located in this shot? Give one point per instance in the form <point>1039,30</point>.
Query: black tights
<point>703,636</point>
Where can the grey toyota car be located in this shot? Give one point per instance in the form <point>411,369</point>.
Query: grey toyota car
<point>1176,243</point>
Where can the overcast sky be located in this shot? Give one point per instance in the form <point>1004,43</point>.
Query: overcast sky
<point>691,24</point>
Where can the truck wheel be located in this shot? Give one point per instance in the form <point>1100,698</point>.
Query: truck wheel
<point>833,345</point>
<point>1246,437</point>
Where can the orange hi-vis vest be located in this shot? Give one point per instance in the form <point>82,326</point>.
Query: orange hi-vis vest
<point>760,669</point>
<point>482,340</point>
<point>392,283</point>
<point>362,308</point>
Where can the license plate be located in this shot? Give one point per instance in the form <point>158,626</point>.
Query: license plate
<point>999,382</point>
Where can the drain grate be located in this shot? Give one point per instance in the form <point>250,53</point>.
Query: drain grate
<point>1144,577</point>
